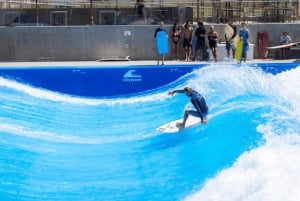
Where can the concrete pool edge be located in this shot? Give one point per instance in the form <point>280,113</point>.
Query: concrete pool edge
<point>131,63</point>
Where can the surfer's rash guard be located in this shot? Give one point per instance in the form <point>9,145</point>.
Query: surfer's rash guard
<point>198,102</point>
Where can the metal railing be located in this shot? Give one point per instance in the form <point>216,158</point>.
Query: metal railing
<point>217,11</point>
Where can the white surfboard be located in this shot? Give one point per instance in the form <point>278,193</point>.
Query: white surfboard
<point>229,33</point>
<point>115,58</point>
<point>283,46</point>
<point>172,128</point>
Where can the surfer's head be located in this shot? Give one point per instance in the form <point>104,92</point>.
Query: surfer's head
<point>187,91</point>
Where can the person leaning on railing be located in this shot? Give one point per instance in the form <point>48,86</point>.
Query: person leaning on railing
<point>284,40</point>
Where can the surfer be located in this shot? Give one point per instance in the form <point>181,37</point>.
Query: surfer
<point>230,41</point>
<point>284,40</point>
<point>198,102</point>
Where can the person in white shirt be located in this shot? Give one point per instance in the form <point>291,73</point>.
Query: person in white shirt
<point>284,40</point>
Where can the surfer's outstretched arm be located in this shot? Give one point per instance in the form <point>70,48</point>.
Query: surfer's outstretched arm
<point>175,91</point>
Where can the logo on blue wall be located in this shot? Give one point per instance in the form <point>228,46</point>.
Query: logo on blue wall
<point>132,76</point>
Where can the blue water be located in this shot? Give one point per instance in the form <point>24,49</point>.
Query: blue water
<point>57,147</point>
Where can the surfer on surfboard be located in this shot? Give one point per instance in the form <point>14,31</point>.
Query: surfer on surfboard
<point>198,102</point>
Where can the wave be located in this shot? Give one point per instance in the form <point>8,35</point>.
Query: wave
<point>44,94</point>
<point>270,171</point>
<point>248,149</point>
<point>206,80</point>
<point>12,129</point>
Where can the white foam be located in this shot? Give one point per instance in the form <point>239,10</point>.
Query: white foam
<point>271,171</point>
<point>289,84</point>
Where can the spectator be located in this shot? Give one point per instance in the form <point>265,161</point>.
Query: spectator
<point>141,9</point>
<point>212,37</point>
<point>284,40</point>
<point>175,41</point>
<point>230,41</point>
<point>187,39</point>
<point>162,55</point>
<point>201,44</point>
<point>244,34</point>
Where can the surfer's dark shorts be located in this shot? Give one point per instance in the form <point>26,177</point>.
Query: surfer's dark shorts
<point>196,114</point>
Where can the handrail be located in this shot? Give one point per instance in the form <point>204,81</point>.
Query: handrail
<point>208,9</point>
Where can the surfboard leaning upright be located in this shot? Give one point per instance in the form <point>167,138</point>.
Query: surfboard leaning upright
<point>162,44</point>
<point>239,50</point>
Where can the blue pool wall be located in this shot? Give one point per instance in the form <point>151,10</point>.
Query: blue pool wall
<point>111,81</point>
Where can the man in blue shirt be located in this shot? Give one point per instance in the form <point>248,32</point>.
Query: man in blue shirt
<point>198,102</point>
<point>244,34</point>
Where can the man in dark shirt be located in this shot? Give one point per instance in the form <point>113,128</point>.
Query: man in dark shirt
<point>141,8</point>
<point>200,44</point>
